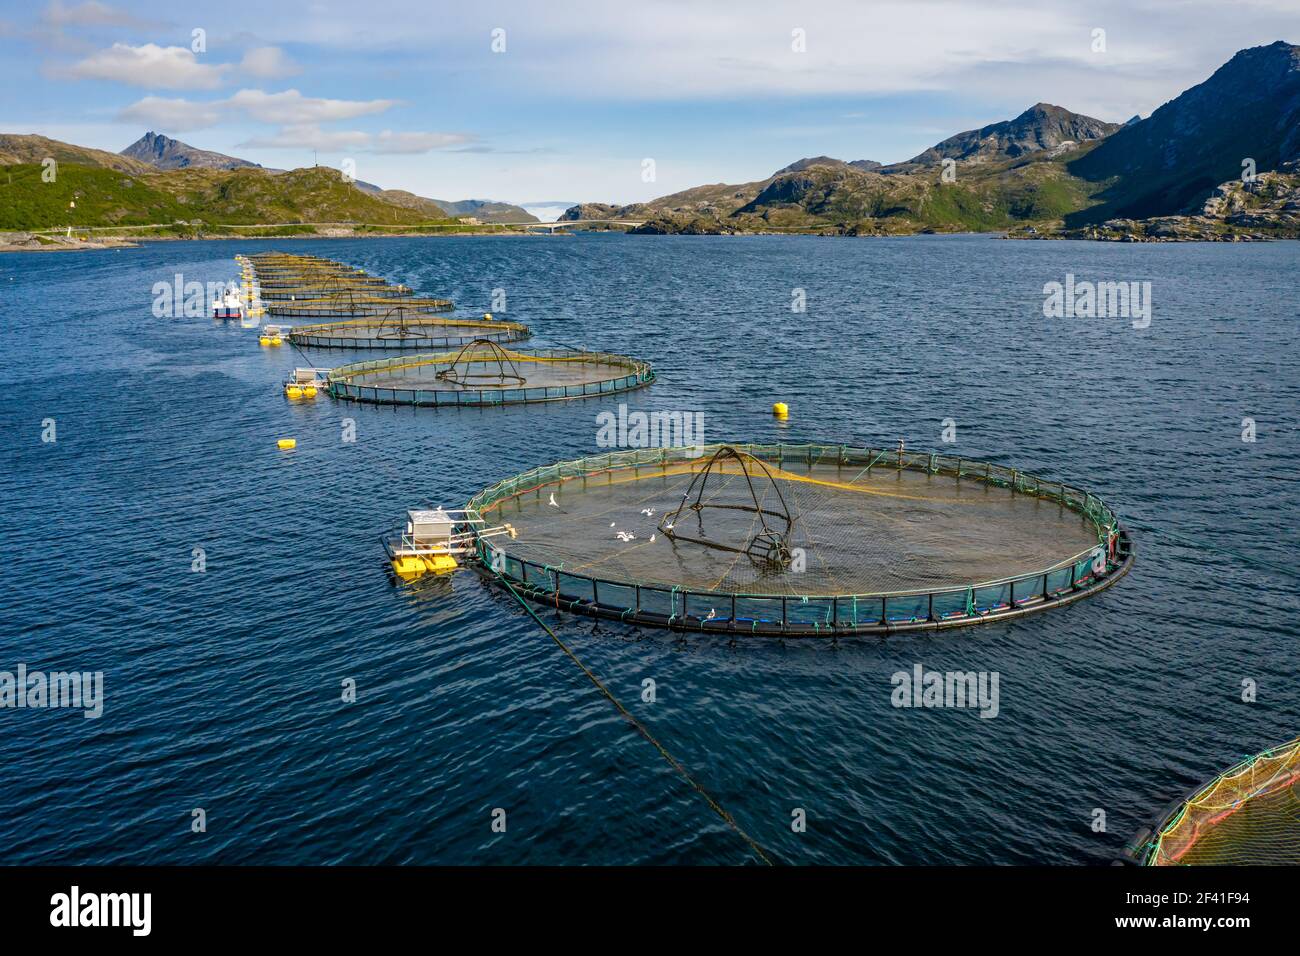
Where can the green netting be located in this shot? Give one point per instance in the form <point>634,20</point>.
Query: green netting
<point>404,329</point>
<point>875,539</point>
<point>1247,816</point>
<point>483,373</point>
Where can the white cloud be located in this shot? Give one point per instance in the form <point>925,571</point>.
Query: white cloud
<point>1017,50</point>
<point>171,115</point>
<point>412,142</point>
<point>268,63</point>
<point>311,136</point>
<point>291,108</point>
<point>89,14</point>
<point>150,66</point>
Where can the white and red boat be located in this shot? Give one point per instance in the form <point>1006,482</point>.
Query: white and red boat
<point>229,306</point>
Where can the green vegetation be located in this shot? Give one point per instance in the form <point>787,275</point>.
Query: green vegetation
<point>195,201</point>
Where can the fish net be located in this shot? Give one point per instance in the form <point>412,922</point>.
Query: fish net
<point>484,373</point>
<point>400,328</point>
<point>1247,816</point>
<point>804,538</point>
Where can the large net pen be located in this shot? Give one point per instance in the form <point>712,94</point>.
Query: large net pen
<point>799,539</point>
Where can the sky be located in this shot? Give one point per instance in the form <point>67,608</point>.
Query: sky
<point>604,101</point>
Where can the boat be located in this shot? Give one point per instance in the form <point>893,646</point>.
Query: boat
<point>432,540</point>
<point>306,382</point>
<point>230,306</point>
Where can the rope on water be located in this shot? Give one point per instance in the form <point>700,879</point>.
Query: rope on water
<point>1206,545</point>
<point>638,726</point>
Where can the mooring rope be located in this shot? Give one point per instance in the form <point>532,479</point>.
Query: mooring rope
<point>637,725</point>
<point>1263,563</point>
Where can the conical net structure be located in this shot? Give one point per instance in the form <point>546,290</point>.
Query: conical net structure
<point>1248,816</point>
<point>746,511</point>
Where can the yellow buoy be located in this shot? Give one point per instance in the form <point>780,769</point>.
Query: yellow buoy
<point>293,391</point>
<point>284,444</point>
<point>309,391</point>
<point>408,567</point>
<point>781,410</point>
<point>440,563</point>
<point>488,316</point>
<point>276,340</point>
<point>263,340</point>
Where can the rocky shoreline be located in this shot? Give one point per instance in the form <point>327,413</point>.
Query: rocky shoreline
<point>1261,209</point>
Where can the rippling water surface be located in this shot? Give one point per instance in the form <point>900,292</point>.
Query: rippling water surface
<point>223,687</point>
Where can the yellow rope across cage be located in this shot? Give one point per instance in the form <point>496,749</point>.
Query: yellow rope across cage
<point>489,351</point>
<point>1247,816</point>
<point>419,319</point>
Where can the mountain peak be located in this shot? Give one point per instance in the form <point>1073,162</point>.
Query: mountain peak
<point>1042,126</point>
<point>167,153</point>
<point>1248,109</point>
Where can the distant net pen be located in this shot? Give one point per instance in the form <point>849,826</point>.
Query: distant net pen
<point>798,540</point>
<point>482,372</point>
<point>1249,815</point>
<point>353,303</point>
<point>402,328</point>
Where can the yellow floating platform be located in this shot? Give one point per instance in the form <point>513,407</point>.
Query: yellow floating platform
<point>410,567</point>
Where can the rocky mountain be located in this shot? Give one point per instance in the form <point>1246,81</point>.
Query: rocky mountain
<point>484,210</point>
<point>17,148</point>
<point>590,210</point>
<point>1048,168</point>
<point>487,210</point>
<point>165,153</point>
<point>802,164</point>
<point>98,188</point>
<point>1267,207</point>
<point>1042,126</point>
<point>1249,109</point>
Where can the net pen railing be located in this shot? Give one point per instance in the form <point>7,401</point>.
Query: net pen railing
<point>343,380</point>
<point>760,612</point>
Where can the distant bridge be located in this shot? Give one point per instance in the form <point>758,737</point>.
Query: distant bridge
<point>565,224</point>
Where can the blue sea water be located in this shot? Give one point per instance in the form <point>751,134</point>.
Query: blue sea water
<point>223,688</point>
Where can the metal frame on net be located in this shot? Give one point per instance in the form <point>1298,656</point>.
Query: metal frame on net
<point>353,303</point>
<point>638,374</point>
<point>317,335</point>
<point>794,615</point>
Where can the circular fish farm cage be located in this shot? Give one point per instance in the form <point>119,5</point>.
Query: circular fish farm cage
<point>351,304</point>
<point>401,328</point>
<point>306,289</point>
<point>484,373</point>
<point>798,540</point>
<point>1247,816</point>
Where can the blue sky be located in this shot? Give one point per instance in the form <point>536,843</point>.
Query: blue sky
<point>572,97</point>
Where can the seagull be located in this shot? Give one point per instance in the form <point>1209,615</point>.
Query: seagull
<point>625,536</point>
<point>668,527</point>
<point>611,524</point>
<point>712,614</point>
<point>647,511</point>
<point>553,503</point>
<point>652,539</point>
